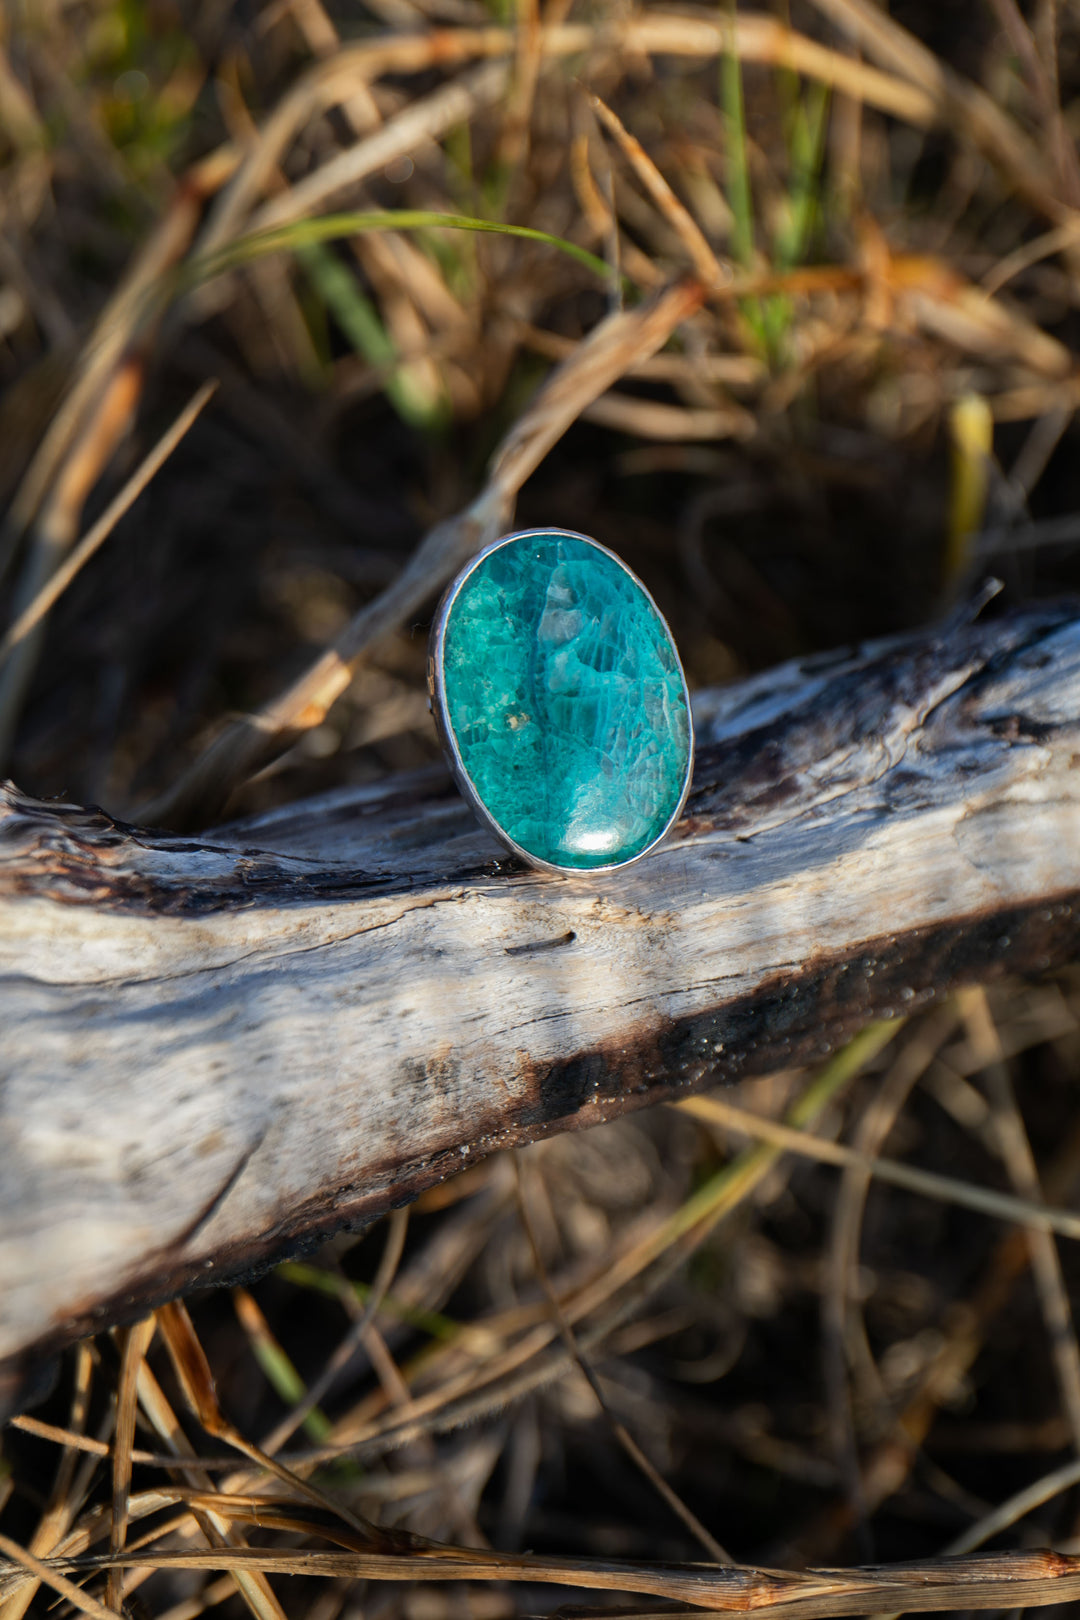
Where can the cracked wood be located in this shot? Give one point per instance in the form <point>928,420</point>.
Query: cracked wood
<point>220,1048</point>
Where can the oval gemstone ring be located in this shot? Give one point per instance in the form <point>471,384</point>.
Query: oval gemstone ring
<point>561,702</point>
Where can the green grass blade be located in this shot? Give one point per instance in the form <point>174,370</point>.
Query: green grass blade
<point>330,1282</point>
<point>359,319</point>
<point>283,1378</point>
<point>354,312</point>
<point>736,1179</point>
<point>806,148</point>
<point>332,227</point>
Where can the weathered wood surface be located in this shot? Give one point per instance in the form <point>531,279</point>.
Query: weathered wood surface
<point>216,1048</point>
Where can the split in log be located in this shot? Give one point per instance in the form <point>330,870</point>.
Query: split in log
<point>220,1049</point>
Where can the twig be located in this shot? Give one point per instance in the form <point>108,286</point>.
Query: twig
<point>622,1434</point>
<point>52,1577</point>
<point>95,536</point>
<point>513,143</point>
<point>986,1581</point>
<point>843,1331</point>
<point>68,1491</point>
<point>706,265</point>
<point>130,309</point>
<point>57,523</point>
<point>654,419</point>
<point>642,1268</point>
<point>1044,87</point>
<point>1032,1496</point>
<point>78,1442</point>
<point>196,1381</point>
<point>955,99</point>
<point>1022,258</point>
<point>983,1199</point>
<point>599,360</point>
<point>136,1343</point>
<point>397,1227</point>
<point>1015,1150</point>
<point>337,76</point>
<point>252,1584</point>
<point>991,1524</point>
<point>425,120</point>
<point>965,1327</point>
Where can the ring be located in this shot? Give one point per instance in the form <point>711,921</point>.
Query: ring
<point>561,703</point>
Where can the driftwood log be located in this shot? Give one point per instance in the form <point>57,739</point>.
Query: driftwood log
<point>218,1048</point>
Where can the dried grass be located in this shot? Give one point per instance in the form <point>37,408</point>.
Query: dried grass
<point>274,1499</point>
<point>802,276</point>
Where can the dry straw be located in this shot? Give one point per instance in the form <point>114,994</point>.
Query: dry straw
<point>634,201</point>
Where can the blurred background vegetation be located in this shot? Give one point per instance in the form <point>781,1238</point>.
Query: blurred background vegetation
<point>871,408</point>
<point>795,470</point>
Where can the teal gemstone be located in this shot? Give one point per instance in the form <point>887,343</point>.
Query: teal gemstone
<point>566,701</point>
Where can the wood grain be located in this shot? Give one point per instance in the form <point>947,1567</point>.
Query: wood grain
<point>219,1049</point>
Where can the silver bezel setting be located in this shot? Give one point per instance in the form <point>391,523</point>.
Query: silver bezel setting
<point>437,693</point>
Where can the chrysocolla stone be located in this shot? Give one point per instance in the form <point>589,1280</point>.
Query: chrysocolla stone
<point>566,700</point>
